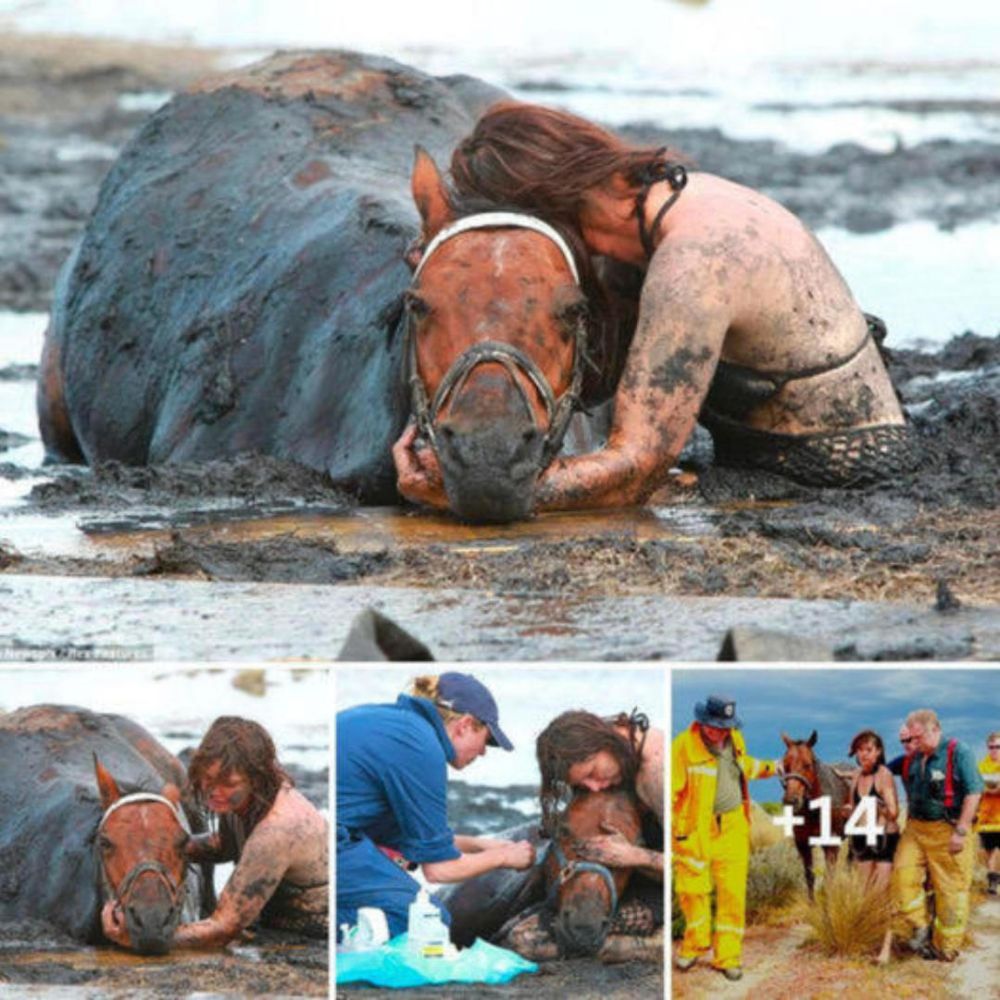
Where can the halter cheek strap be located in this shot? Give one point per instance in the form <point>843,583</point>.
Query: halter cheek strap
<point>558,411</point>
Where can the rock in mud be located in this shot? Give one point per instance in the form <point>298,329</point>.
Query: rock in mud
<point>284,559</point>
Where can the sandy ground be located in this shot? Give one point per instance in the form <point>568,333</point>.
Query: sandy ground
<point>781,964</point>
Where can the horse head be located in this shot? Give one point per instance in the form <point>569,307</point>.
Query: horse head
<point>496,331</point>
<point>584,895</point>
<point>140,845</point>
<point>800,772</point>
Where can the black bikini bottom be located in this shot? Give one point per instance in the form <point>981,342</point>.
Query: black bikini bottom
<point>854,457</point>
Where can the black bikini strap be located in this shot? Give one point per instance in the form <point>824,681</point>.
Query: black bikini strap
<point>658,170</point>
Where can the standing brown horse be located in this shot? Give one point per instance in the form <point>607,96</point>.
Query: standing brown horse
<point>805,778</point>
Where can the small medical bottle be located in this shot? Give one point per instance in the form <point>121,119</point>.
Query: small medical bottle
<point>427,934</point>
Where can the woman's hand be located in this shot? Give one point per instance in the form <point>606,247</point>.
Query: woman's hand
<point>418,474</point>
<point>113,924</point>
<point>518,854</point>
<point>614,850</point>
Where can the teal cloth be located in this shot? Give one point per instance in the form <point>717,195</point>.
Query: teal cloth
<point>393,966</point>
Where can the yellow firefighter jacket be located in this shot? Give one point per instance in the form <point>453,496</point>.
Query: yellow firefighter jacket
<point>693,776</point>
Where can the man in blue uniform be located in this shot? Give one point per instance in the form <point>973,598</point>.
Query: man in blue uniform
<point>392,814</point>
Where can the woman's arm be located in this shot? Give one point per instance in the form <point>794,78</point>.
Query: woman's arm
<point>888,793</point>
<point>684,315</point>
<point>614,850</point>
<point>266,857</point>
<point>520,855</point>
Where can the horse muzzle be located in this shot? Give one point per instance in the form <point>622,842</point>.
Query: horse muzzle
<point>581,928</point>
<point>490,471</point>
<point>151,918</point>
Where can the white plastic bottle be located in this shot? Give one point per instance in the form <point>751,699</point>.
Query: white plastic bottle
<point>427,934</point>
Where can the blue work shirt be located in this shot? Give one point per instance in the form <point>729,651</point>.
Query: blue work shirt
<point>392,773</point>
<point>925,784</point>
<point>392,777</point>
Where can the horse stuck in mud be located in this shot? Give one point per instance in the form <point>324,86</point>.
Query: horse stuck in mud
<point>804,779</point>
<point>90,811</point>
<point>243,287</point>
<point>563,906</point>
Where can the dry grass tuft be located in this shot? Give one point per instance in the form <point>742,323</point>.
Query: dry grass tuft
<point>775,879</point>
<point>849,917</point>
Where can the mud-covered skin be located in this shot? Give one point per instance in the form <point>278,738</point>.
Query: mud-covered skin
<point>50,807</point>
<point>281,876</point>
<point>734,277</point>
<point>238,287</point>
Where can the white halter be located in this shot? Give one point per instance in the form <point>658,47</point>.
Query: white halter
<point>127,800</point>
<point>499,220</point>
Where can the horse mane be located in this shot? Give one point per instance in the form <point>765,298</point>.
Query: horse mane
<point>610,323</point>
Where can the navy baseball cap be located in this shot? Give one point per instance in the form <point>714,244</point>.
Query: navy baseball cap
<point>719,711</point>
<point>463,693</point>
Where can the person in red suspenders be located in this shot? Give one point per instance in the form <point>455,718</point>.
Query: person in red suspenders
<point>943,788</point>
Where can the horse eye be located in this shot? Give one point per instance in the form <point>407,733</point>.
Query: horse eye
<point>415,305</point>
<point>104,844</point>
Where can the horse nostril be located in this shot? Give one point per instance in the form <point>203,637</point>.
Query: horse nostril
<point>530,435</point>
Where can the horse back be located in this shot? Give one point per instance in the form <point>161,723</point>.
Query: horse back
<point>239,285</point>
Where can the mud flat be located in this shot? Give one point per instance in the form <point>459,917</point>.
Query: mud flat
<point>179,558</point>
<point>83,618</point>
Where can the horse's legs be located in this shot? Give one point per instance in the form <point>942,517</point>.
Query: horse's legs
<point>528,936</point>
<point>631,947</point>
<point>805,853</point>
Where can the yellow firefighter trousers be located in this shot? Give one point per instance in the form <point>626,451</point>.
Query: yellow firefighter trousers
<point>726,866</point>
<point>923,849</point>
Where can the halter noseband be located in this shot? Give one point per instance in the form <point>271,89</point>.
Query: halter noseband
<point>558,411</point>
<point>119,892</point>
<point>567,869</point>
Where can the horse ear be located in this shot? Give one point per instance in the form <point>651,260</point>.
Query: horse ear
<point>429,194</point>
<point>106,784</point>
<point>812,739</point>
<point>172,792</point>
<point>788,741</point>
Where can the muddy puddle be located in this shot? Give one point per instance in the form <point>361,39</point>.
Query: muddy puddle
<point>269,963</point>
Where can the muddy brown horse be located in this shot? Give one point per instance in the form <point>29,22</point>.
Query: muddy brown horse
<point>805,778</point>
<point>243,286</point>
<point>90,811</point>
<point>577,905</point>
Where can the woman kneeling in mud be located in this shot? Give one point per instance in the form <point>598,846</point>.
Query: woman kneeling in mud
<point>743,323</point>
<point>277,838</point>
<point>580,750</point>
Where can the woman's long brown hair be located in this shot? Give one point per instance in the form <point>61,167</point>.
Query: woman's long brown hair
<point>545,160</point>
<point>241,745</point>
<point>574,736</point>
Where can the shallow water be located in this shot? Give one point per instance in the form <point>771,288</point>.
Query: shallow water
<point>193,620</point>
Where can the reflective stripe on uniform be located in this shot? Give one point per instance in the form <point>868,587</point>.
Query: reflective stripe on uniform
<point>917,901</point>
<point>701,769</point>
<point>728,929</point>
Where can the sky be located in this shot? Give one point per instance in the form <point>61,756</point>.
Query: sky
<point>837,703</point>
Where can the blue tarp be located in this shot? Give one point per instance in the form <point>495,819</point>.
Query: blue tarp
<point>394,966</point>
